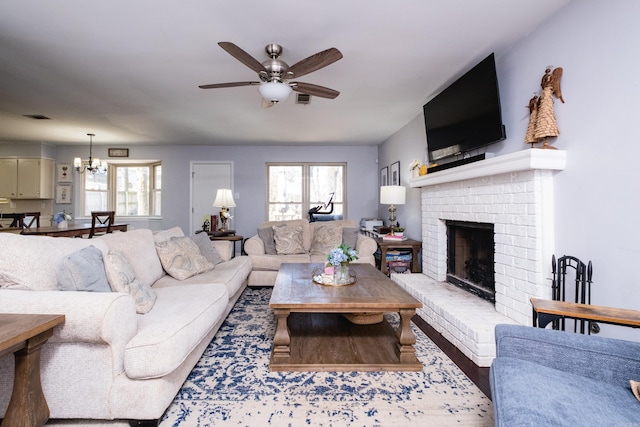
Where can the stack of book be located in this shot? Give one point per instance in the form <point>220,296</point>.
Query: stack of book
<point>394,237</point>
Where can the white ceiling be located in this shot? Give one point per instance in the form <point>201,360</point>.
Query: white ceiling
<point>129,71</point>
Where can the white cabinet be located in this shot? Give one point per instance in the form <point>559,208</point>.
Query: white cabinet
<point>27,178</point>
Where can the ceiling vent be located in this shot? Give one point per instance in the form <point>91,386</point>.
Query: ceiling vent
<point>303,98</point>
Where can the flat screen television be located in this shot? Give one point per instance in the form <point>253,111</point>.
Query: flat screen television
<point>466,115</point>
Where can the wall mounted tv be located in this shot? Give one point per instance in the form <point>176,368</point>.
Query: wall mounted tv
<point>466,115</point>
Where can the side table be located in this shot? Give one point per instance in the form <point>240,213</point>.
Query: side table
<point>232,238</point>
<point>24,335</point>
<point>386,245</point>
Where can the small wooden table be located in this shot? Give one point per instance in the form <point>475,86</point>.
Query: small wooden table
<point>387,245</point>
<point>546,311</point>
<point>24,335</point>
<point>312,335</point>
<point>72,230</point>
<point>231,238</point>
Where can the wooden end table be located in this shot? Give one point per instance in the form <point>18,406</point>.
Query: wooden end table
<point>312,335</point>
<point>546,311</point>
<point>387,245</point>
<point>24,335</point>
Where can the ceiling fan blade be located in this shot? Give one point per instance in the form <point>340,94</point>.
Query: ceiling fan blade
<point>315,90</point>
<point>233,84</point>
<point>243,57</point>
<point>314,62</point>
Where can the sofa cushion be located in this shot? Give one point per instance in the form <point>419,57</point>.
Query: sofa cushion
<point>527,393</point>
<point>272,262</point>
<point>122,278</point>
<point>350,236</point>
<point>181,258</point>
<point>325,238</point>
<point>288,239</point>
<point>164,235</point>
<point>181,318</point>
<point>266,235</point>
<point>139,248</point>
<point>232,274</point>
<point>206,248</point>
<point>17,265</point>
<point>83,270</point>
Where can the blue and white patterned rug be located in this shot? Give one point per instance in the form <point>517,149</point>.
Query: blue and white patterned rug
<point>231,385</point>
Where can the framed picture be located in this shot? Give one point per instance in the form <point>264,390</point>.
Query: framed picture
<point>63,194</point>
<point>384,176</point>
<point>65,172</point>
<point>118,152</point>
<point>395,173</point>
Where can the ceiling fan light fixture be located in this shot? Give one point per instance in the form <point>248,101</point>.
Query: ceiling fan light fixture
<point>274,91</point>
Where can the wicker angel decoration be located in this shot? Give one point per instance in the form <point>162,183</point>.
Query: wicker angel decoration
<point>542,118</point>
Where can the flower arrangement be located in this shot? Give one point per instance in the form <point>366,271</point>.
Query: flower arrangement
<point>415,163</point>
<point>341,254</point>
<point>61,216</point>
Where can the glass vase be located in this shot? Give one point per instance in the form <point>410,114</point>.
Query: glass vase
<point>342,274</point>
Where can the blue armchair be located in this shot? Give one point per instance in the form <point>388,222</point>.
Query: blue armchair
<point>542,377</point>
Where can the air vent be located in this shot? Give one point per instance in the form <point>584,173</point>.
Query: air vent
<point>303,98</point>
<point>37,117</point>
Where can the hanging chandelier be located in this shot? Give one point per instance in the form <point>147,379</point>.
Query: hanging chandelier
<point>93,165</point>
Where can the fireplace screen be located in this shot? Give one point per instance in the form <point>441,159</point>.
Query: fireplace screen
<point>470,257</point>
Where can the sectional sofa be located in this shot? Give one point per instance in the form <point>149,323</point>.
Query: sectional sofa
<point>300,241</point>
<point>120,354</point>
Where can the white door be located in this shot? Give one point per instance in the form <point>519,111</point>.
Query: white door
<point>206,179</point>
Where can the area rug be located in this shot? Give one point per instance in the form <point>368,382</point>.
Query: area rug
<point>231,385</point>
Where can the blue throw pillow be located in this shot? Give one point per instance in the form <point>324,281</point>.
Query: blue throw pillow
<point>83,271</point>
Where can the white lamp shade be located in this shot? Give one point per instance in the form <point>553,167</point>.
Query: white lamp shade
<point>274,91</point>
<point>393,194</point>
<point>224,198</point>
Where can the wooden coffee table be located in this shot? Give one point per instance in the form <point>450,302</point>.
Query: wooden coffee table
<point>312,335</point>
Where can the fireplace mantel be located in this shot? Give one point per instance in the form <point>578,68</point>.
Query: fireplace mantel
<point>513,162</point>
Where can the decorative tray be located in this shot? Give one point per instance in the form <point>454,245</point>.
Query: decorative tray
<point>320,278</point>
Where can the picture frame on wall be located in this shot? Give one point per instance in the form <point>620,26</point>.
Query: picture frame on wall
<point>64,172</point>
<point>395,173</point>
<point>63,194</point>
<point>384,176</point>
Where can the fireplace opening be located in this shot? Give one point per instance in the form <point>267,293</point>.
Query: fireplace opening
<point>470,257</point>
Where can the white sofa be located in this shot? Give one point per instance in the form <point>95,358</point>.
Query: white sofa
<point>107,361</point>
<point>316,240</point>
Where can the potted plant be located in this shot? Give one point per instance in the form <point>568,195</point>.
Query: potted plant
<point>397,230</point>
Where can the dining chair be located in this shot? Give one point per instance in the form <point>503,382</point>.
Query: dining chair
<point>30,220</point>
<point>17,219</point>
<point>101,221</point>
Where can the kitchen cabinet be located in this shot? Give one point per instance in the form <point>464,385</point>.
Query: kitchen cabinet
<point>27,178</point>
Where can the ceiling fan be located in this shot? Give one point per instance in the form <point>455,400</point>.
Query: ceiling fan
<point>275,75</point>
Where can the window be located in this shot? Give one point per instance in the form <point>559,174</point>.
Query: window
<point>294,188</point>
<point>129,189</point>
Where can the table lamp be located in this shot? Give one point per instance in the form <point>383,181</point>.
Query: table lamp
<point>392,195</point>
<point>224,201</point>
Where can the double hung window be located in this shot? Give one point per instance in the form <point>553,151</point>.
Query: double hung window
<point>294,188</point>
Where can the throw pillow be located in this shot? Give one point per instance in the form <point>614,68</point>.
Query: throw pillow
<point>207,250</point>
<point>325,238</point>
<point>266,235</point>
<point>123,279</point>
<point>288,239</point>
<point>181,258</point>
<point>634,388</point>
<point>350,236</point>
<point>83,271</point>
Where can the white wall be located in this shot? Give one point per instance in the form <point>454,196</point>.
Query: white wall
<point>249,177</point>
<point>598,194</point>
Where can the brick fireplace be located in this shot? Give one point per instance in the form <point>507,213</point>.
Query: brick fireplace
<point>514,193</point>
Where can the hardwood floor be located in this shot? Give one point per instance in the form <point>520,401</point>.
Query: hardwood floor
<point>479,375</point>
